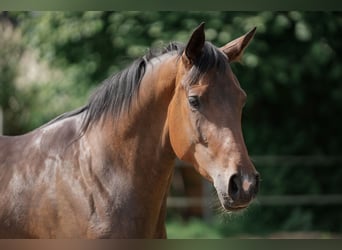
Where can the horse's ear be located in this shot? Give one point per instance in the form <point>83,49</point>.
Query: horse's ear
<point>234,49</point>
<point>195,45</point>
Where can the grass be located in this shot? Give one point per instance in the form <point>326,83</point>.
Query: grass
<point>199,229</point>
<point>192,229</point>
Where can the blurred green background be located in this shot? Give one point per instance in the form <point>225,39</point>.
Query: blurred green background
<point>50,62</point>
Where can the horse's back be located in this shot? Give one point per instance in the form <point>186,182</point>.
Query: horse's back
<point>49,140</point>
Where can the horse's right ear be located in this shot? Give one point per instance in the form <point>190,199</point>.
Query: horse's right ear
<point>195,45</point>
<point>234,49</point>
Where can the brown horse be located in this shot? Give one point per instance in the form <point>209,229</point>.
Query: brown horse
<point>104,170</point>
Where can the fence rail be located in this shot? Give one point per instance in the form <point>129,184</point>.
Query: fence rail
<point>306,160</point>
<point>306,199</point>
<point>269,200</point>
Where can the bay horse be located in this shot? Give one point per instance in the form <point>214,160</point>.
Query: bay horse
<point>104,170</point>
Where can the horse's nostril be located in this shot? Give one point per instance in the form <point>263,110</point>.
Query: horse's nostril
<point>233,187</point>
<point>243,189</point>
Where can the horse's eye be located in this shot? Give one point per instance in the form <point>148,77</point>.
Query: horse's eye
<point>194,101</point>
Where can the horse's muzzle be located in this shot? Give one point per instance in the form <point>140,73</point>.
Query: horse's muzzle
<point>242,189</point>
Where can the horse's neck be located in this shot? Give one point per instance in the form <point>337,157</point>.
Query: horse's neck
<point>138,148</point>
<point>144,127</point>
<point>139,139</point>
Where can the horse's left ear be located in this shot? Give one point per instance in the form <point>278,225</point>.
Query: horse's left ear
<point>234,49</point>
<point>195,45</point>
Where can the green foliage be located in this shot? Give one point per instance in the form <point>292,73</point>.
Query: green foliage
<point>291,72</point>
<point>10,53</point>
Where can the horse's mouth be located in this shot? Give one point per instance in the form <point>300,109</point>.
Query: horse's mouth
<point>234,208</point>
<point>229,205</point>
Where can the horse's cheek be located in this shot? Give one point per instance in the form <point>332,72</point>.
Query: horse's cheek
<point>178,133</point>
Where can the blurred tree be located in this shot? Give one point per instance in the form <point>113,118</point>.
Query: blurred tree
<point>10,52</point>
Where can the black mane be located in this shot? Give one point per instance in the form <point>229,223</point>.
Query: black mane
<point>115,94</point>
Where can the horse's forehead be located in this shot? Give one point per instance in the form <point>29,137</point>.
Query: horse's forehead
<point>220,80</point>
<point>223,86</point>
